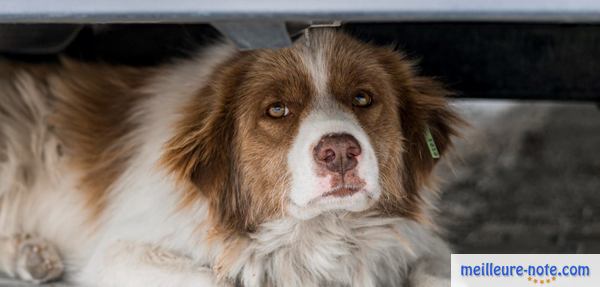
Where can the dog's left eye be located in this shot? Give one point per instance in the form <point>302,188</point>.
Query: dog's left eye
<point>362,100</point>
<point>278,110</point>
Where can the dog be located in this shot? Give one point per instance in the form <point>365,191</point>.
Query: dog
<point>309,165</point>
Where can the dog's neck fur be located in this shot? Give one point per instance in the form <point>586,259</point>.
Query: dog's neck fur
<point>335,249</point>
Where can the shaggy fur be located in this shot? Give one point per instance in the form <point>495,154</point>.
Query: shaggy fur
<point>177,176</point>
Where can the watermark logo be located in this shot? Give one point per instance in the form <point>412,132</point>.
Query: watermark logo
<point>491,270</point>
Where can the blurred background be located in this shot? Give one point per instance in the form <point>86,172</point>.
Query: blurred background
<point>525,178</point>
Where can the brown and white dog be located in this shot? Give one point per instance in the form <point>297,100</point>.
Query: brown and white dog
<point>302,166</point>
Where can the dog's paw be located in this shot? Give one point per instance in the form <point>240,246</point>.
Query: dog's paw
<point>37,260</point>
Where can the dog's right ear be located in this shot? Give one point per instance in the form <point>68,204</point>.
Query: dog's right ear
<point>203,154</point>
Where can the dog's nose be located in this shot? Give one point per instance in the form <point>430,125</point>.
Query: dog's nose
<point>337,152</point>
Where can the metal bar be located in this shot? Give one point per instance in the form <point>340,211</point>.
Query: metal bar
<point>118,11</point>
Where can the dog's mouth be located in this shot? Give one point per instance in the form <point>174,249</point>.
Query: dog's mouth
<point>342,191</point>
<point>348,197</point>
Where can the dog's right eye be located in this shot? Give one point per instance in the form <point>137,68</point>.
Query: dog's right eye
<point>362,100</point>
<point>278,110</point>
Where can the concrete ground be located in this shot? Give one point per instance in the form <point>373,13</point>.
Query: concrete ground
<point>525,179</point>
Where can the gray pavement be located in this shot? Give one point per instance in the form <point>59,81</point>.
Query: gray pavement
<point>527,180</point>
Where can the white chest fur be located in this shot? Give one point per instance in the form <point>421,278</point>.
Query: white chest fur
<point>334,250</point>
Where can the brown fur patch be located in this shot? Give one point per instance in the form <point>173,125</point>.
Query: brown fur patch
<point>93,105</point>
<point>422,105</point>
<point>203,151</point>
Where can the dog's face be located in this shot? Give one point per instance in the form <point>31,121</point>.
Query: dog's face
<point>335,125</point>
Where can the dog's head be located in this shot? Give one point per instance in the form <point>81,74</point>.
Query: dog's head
<point>330,125</point>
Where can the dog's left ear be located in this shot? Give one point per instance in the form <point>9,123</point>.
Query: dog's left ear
<point>427,121</point>
<point>428,125</point>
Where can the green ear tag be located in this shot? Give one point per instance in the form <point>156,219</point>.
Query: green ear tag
<point>431,144</point>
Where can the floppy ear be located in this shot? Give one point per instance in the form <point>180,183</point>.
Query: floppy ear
<point>423,107</point>
<point>425,114</point>
<point>203,152</point>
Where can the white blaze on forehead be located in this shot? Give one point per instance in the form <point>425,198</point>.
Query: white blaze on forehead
<point>316,65</point>
<point>326,117</point>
